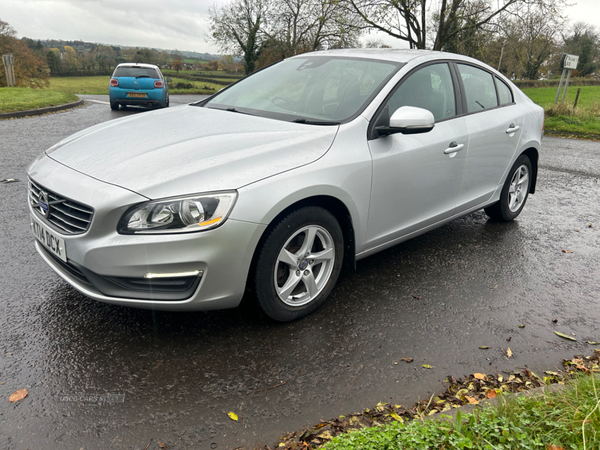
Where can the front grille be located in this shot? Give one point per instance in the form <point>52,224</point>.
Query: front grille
<point>67,216</point>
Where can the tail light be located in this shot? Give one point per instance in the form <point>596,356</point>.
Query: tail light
<point>158,84</point>
<point>114,82</point>
<point>544,125</point>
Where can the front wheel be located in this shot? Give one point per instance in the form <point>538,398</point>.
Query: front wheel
<point>299,264</point>
<point>514,192</point>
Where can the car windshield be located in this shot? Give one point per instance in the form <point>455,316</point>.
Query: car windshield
<point>312,89</point>
<point>136,72</point>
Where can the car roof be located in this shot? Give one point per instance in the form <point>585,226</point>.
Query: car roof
<point>130,64</point>
<point>389,54</point>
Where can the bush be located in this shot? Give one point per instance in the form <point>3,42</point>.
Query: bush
<point>182,85</point>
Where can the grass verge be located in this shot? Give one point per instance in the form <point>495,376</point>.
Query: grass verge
<point>569,418</point>
<point>21,99</point>
<point>562,118</point>
<point>391,427</point>
<point>99,86</point>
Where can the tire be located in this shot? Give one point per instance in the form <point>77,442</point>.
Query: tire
<point>514,192</point>
<point>292,278</point>
<point>114,106</point>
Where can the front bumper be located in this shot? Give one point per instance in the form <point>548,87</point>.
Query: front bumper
<point>110,267</point>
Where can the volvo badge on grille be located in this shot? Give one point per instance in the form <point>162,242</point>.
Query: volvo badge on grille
<point>44,204</point>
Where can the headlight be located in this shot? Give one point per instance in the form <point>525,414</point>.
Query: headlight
<point>178,215</point>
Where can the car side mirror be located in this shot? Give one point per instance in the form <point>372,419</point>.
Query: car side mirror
<point>169,80</point>
<point>408,120</point>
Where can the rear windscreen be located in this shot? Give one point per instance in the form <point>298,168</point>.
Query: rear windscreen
<point>136,72</point>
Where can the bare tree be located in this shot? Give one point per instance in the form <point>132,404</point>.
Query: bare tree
<point>434,23</point>
<point>240,27</point>
<point>266,32</point>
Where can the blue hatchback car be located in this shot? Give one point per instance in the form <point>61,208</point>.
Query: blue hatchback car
<point>138,84</point>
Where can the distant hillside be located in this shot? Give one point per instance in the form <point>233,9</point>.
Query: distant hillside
<point>82,46</point>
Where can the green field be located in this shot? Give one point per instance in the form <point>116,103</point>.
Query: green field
<point>21,99</point>
<point>585,119</point>
<point>99,85</point>
<point>589,96</point>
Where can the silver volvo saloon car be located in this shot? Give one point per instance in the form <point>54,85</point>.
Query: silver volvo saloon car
<point>278,181</point>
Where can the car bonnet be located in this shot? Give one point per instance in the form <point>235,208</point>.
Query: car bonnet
<point>190,149</point>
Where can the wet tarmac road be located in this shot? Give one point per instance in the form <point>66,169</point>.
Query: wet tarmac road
<point>436,298</point>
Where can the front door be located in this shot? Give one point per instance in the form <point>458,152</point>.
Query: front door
<point>416,177</point>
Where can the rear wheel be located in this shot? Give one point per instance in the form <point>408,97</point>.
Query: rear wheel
<point>299,264</point>
<point>114,106</point>
<point>514,192</point>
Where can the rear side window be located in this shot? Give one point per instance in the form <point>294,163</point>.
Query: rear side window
<point>430,88</point>
<point>479,88</point>
<point>136,72</point>
<point>504,92</point>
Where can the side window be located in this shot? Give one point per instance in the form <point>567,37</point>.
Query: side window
<point>430,88</point>
<point>504,92</point>
<point>479,88</point>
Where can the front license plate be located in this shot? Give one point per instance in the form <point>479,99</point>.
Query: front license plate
<point>48,238</point>
<point>136,94</point>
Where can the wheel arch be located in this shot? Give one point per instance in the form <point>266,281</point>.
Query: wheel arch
<point>533,155</point>
<point>332,204</point>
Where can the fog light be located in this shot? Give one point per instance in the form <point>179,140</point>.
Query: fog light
<point>193,273</point>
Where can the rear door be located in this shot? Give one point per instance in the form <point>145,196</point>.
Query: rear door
<point>416,178</point>
<point>494,123</point>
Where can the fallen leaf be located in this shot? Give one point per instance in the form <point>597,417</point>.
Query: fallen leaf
<point>564,336</point>
<point>325,435</point>
<point>521,325</point>
<point>509,352</point>
<point>396,417</point>
<point>495,287</point>
<point>485,347</point>
<point>471,400</point>
<point>418,297</point>
<point>554,447</point>
<point>590,225</point>
<point>567,251</point>
<point>233,416</point>
<point>479,376</point>
<point>408,360</point>
<point>162,445</point>
<point>593,343</point>
<point>18,395</point>
<point>426,366</point>
<point>508,339</point>
<point>492,393</point>
<point>554,320</point>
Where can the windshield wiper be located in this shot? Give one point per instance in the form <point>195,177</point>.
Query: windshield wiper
<point>143,76</point>
<point>315,122</point>
<point>236,111</point>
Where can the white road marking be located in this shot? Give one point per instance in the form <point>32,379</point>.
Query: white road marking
<point>96,101</point>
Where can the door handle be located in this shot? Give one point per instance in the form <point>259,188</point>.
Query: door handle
<point>512,128</point>
<point>454,147</point>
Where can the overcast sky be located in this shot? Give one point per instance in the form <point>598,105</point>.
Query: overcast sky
<point>167,24</point>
